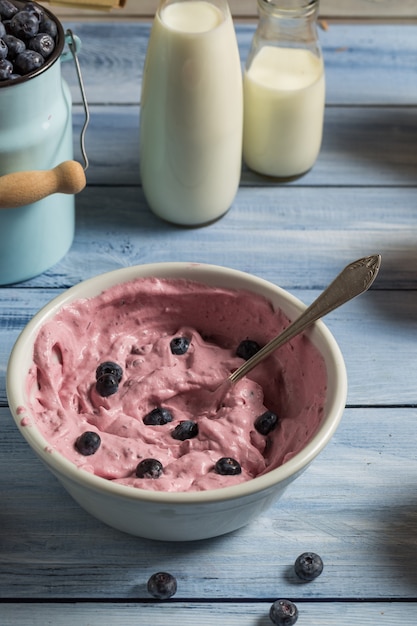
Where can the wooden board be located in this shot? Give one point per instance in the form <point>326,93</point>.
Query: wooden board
<point>370,9</point>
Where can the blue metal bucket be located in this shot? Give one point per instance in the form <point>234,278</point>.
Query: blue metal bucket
<point>36,134</point>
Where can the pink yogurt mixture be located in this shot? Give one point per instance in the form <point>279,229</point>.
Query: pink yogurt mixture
<point>132,324</point>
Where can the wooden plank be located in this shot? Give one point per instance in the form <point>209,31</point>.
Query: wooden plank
<point>372,9</point>
<point>354,505</point>
<point>313,233</point>
<point>245,614</point>
<point>358,61</point>
<point>362,146</point>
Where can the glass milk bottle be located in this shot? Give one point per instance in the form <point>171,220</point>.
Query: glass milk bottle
<point>191,119</point>
<point>284,90</point>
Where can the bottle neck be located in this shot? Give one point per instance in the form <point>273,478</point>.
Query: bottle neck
<point>288,23</point>
<point>289,9</point>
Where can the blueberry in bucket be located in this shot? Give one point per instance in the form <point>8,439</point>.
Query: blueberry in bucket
<point>14,46</point>
<point>35,9</point>
<point>48,26</point>
<point>30,36</point>
<point>7,9</point>
<point>28,61</point>
<point>42,43</point>
<point>24,25</point>
<point>3,49</point>
<point>6,69</point>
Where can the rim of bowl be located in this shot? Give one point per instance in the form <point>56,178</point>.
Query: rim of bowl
<point>214,275</point>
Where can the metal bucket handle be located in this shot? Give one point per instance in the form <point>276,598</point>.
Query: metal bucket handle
<point>22,188</point>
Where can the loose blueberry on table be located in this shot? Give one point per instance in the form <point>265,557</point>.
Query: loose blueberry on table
<point>308,566</point>
<point>162,585</point>
<point>283,613</point>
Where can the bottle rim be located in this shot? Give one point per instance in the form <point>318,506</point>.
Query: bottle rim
<point>290,7</point>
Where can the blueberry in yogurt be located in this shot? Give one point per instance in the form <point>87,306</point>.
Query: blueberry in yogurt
<point>158,417</point>
<point>149,468</point>
<point>88,443</point>
<point>247,348</point>
<point>179,345</point>
<point>108,377</point>
<point>107,385</point>
<point>109,367</point>
<point>227,466</point>
<point>266,422</point>
<point>187,429</point>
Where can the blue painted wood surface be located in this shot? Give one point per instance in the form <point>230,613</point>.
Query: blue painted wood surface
<point>357,504</point>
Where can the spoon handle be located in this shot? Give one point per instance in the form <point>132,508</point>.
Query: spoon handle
<point>356,278</point>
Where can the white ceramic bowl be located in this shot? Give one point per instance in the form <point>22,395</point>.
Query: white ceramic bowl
<point>177,516</point>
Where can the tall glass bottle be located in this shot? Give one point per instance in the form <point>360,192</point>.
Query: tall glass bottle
<point>191,119</point>
<point>284,90</point>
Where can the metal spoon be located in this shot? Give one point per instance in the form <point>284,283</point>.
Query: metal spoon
<point>356,278</point>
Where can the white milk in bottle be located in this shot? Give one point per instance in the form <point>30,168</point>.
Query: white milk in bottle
<point>191,119</point>
<point>284,90</point>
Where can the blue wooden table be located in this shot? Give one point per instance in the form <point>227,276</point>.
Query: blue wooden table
<point>357,504</point>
